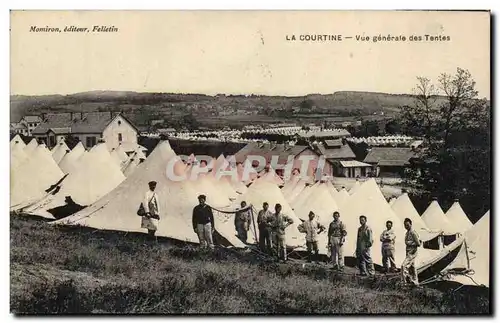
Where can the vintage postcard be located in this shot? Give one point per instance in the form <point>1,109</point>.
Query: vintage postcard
<point>250,162</point>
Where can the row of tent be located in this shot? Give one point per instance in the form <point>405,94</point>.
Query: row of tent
<point>41,179</point>
<point>113,203</point>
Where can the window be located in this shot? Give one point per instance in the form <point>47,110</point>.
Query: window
<point>119,123</point>
<point>52,141</point>
<point>120,136</point>
<point>91,141</point>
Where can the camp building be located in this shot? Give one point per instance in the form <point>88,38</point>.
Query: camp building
<point>114,128</point>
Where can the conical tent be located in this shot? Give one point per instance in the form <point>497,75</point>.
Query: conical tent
<point>332,188</point>
<point>269,174</point>
<point>70,161</point>
<point>478,246</point>
<point>435,219</point>
<point>96,176</point>
<point>296,191</point>
<point>30,147</point>
<point>264,191</point>
<point>35,175</point>
<point>341,197</point>
<point>246,173</point>
<point>17,155</point>
<point>304,195</point>
<point>17,140</point>
<point>222,181</point>
<point>321,202</point>
<point>203,183</point>
<point>403,207</point>
<point>115,156</point>
<point>117,210</point>
<point>122,155</point>
<point>59,151</point>
<point>354,188</point>
<point>457,216</point>
<point>369,201</point>
<point>130,165</point>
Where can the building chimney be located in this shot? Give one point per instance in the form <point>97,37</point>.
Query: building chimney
<point>434,198</point>
<point>456,200</point>
<point>403,190</point>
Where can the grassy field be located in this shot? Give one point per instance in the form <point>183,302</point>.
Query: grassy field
<point>79,270</point>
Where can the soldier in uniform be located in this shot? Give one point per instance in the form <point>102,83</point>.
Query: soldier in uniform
<point>412,242</point>
<point>265,240</point>
<point>311,228</point>
<point>336,238</point>
<point>278,223</point>
<point>388,239</point>
<point>363,248</point>
<point>242,222</point>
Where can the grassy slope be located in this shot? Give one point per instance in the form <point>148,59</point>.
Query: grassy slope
<point>60,270</point>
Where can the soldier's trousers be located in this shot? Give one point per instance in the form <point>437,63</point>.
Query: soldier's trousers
<point>388,258</point>
<point>337,252</point>
<point>365,263</point>
<point>279,242</point>
<point>408,269</point>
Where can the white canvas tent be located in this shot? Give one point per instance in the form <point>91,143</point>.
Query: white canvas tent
<point>303,195</point>
<point>354,188</point>
<point>321,202</point>
<point>117,210</point>
<point>368,200</point>
<point>96,176</point>
<point>30,147</point>
<point>59,151</point>
<point>290,184</point>
<point>17,155</point>
<point>70,160</point>
<point>296,191</point>
<point>403,207</point>
<point>269,174</point>
<point>131,164</point>
<point>32,177</point>
<point>457,216</point>
<point>435,219</point>
<point>478,244</point>
<point>341,197</point>
<point>17,140</point>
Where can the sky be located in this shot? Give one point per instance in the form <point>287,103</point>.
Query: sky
<point>245,52</point>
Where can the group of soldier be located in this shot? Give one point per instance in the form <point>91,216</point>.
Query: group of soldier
<point>272,227</point>
<point>272,233</point>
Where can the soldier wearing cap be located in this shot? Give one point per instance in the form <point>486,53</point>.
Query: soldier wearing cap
<point>336,239</point>
<point>151,206</point>
<point>203,222</point>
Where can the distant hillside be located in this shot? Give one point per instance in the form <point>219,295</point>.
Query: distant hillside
<point>151,105</point>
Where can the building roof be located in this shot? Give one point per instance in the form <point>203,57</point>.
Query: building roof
<point>339,152</point>
<point>60,131</point>
<point>17,126</point>
<point>333,142</point>
<point>93,122</point>
<point>32,119</point>
<point>353,163</point>
<point>268,150</point>
<point>389,156</point>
